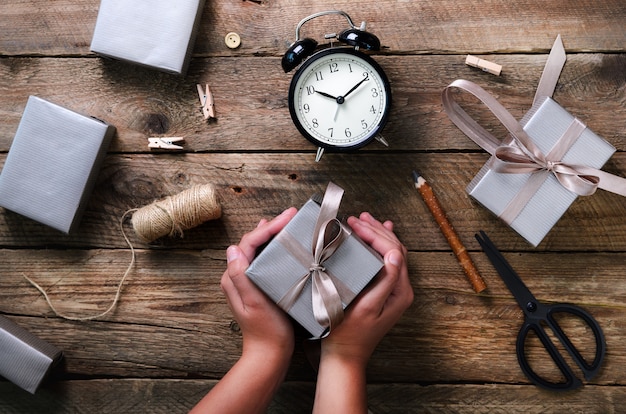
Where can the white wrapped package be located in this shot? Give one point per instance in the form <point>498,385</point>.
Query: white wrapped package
<point>156,33</point>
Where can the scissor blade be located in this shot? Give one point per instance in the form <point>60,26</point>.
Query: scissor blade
<point>519,290</point>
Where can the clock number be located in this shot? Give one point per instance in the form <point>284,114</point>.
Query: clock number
<point>373,110</point>
<point>306,108</point>
<point>318,76</point>
<point>374,93</point>
<point>363,123</point>
<point>367,76</point>
<point>350,67</point>
<point>334,67</point>
<point>315,123</point>
<point>347,133</point>
<point>310,90</point>
<point>331,131</point>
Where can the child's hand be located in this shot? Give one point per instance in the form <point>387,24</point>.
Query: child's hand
<point>249,386</point>
<point>341,382</point>
<point>265,327</point>
<point>380,305</point>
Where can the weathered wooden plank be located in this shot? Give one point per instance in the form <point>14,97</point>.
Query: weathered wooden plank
<point>252,186</point>
<point>176,318</point>
<point>62,27</point>
<point>453,351</point>
<point>142,102</point>
<point>178,396</point>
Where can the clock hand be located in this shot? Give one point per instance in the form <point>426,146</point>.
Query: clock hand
<point>336,111</point>
<point>326,95</point>
<point>339,99</point>
<point>354,87</point>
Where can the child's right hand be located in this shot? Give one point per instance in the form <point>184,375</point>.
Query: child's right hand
<point>380,305</point>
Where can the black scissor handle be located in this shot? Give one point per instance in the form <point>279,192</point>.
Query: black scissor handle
<point>571,380</point>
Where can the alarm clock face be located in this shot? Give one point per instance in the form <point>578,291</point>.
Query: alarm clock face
<point>339,98</point>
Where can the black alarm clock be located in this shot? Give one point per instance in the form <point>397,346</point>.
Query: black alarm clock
<point>339,98</point>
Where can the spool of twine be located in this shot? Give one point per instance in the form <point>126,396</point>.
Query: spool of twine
<point>173,215</point>
<point>170,216</point>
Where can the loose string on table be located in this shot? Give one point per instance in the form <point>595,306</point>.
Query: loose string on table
<point>170,216</point>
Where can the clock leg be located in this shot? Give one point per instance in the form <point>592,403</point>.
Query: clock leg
<point>320,152</point>
<point>382,140</point>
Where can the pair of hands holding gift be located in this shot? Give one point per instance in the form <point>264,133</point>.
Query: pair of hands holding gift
<point>268,338</point>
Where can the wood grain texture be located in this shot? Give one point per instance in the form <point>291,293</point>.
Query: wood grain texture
<point>172,336</point>
<point>411,27</point>
<point>172,297</point>
<point>153,104</point>
<point>251,186</point>
<point>177,395</point>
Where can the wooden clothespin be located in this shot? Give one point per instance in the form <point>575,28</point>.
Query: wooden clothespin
<point>165,143</point>
<point>206,101</point>
<point>483,64</point>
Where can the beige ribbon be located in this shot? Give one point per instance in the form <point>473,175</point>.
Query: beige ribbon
<point>327,290</point>
<point>519,154</point>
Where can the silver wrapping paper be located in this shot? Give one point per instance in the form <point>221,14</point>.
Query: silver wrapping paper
<point>156,33</point>
<point>25,359</point>
<point>274,270</point>
<point>545,124</point>
<point>53,163</point>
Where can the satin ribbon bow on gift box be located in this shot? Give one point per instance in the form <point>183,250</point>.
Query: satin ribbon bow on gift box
<point>328,236</point>
<point>519,154</point>
<point>315,266</point>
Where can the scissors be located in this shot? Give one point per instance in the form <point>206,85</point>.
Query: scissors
<point>538,316</point>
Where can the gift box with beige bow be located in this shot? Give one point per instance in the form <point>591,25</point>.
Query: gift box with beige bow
<point>550,158</point>
<point>315,266</point>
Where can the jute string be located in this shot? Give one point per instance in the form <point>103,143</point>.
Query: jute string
<point>174,214</point>
<point>170,216</point>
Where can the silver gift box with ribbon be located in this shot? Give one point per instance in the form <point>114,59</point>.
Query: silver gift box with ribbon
<point>155,33</point>
<point>549,158</point>
<point>315,266</point>
<point>532,202</point>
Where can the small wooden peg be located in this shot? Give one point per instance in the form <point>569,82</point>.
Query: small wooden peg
<point>483,64</point>
<point>206,100</point>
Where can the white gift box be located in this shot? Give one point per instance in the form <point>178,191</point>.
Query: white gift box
<point>53,163</point>
<point>154,33</point>
<point>545,124</point>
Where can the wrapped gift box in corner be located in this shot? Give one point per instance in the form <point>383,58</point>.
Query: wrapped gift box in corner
<point>25,359</point>
<point>287,269</point>
<point>53,164</point>
<point>155,33</point>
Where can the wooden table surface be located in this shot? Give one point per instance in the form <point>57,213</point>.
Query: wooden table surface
<point>172,335</point>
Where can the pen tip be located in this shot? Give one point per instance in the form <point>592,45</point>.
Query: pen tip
<point>419,180</point>
<point>416,176</point>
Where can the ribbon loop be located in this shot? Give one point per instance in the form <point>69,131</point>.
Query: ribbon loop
<point>520,155</point>
<point>510,159</point>
<point>328,236</point>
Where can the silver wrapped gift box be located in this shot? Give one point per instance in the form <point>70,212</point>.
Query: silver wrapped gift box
<point>156,33</point>
<point>25,359</point>
<point>283,263</point>
<point>545,124</point>
<point>53,163</point>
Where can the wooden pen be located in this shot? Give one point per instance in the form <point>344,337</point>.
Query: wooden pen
<point>459,250</point>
